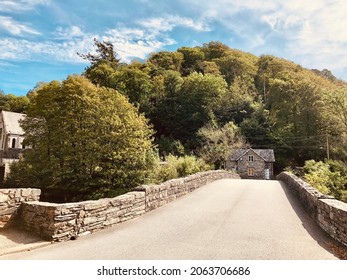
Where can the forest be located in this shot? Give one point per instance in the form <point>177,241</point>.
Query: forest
<point>188,107</point>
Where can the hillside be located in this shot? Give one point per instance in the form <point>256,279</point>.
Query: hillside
<point>209,99</point>
<point>274,102</point>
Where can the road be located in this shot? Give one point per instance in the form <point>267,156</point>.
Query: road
<point>227,219</point>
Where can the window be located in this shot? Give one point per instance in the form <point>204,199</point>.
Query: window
<point>250,158</point>
<point>250,172</point>
<point>13,146</point>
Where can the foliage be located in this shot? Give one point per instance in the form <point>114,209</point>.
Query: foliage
<point>167,60</point>
<point>168,145</point>
<point>217,143</point>
<point>10,102</point>
<point>103,63</point>
<point>175,167</point>
<point>190,97</point>
<point>328,177</point>
<point>84,139</point>
<point>276,103</point>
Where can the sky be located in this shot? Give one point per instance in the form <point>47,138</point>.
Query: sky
<point>39,39</point>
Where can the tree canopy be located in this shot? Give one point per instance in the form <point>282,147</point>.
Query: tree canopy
<point>85,139</point>
<point>194,97</point>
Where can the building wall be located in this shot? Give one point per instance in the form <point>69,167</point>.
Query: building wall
<point>243,166</point>
<point>258,166</point>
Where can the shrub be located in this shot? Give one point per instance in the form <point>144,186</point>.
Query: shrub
<point>175,167</point>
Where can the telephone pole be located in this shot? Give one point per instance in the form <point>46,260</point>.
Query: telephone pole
<point>328,152</point>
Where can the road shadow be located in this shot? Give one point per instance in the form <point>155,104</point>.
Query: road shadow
<point>316,232</point>
<point>14,236</point>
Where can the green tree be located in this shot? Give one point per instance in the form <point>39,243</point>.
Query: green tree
<point>136,84</point>
<point>191,105</point>
<point>167,60</point>
<point>85,140</point>
<point>10,102</point>
<point>103,64</point>
<point>215,49</point>
<point>217,143</point>
<point>237,65</point>
<point>192,60</point>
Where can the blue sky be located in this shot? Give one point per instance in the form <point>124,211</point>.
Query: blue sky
<point>39,39</point>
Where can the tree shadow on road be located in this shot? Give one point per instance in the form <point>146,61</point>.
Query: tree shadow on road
<point>317,233</point>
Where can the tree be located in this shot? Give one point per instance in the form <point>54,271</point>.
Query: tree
<point>86,140</point>
<point>236,65</point>
<point>192,60</point>
<point>214,50</point>
<point>105,53</point>
<point>10,102</point>
<point>103,63</point>
<point>136,84</point>
<point>217,143</point>
<point>190,105</point>
<point>167,60</point>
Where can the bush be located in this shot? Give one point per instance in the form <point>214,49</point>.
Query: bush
<point>328,177</point>
<point>176,167</point>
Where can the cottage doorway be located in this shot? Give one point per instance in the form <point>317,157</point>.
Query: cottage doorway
<point>267,174</point>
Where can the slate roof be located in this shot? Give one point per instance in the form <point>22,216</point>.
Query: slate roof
<point>267,154</point>
<point>11,122</point>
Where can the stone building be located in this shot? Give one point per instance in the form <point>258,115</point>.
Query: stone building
<point>11,140</point>
<point>252,163</point>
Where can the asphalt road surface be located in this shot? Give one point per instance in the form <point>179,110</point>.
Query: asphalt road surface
<point>227,219</point>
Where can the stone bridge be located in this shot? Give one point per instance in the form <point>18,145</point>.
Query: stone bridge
<point>58,222</point>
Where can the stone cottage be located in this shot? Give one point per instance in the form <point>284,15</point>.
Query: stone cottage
<point>11,140</point>
<point>252,163</point>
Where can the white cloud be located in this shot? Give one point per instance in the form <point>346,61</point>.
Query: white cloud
<point>168,23</point>
<point>15,28</point>
<point>20,5</point>
<point>68,32</point>
<point>310,32</point>
<point>314,31</point>
<point>136,42</point>
<point>279,21</point>
<point>22,49</point>
<point>139,41</point>
<point>128,42</point>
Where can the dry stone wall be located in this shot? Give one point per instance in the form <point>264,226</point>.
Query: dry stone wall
<point>10,201</point>
<point>58,222</point>
<point>330,214</point>
<point>158,195</point>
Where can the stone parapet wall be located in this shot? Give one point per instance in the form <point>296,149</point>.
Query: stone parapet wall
<point>158,195</point>
<point>330,214</point>
<point>58,222</point>
<point>10,201</point>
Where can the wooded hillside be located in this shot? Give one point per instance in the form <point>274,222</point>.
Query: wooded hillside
<point>208,99</point>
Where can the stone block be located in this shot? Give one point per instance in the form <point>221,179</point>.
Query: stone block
<point>92,220</point>
<point>111,221</point>
<point>63,218</point>
<point>26,192</point>
<point>4,197</point>
<point>8,211</point>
